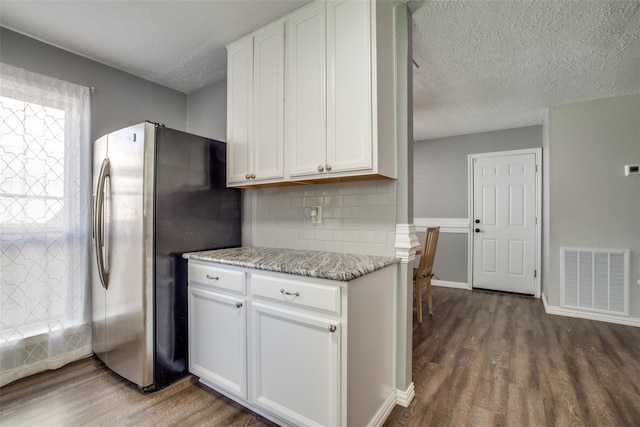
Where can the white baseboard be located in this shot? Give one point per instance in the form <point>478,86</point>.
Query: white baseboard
<point>383,412</point>
<point>447,284</point>
<point>404,397</point>
<point>580,314</point>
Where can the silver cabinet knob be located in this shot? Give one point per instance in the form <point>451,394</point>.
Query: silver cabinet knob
<point>328,168</point>
<point>253,176</point>
<point>332,328</point>
<point>238,304</point>
<point>320,168</point>
<point>247,176</point>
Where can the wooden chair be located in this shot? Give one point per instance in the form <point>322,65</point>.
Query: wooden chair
<point>423,274</point>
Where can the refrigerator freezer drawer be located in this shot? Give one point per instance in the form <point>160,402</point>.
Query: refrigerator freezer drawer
<point>212,277</point>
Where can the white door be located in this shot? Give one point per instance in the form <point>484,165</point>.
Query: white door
<point>504,222</point>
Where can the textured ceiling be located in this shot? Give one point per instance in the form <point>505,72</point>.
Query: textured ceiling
<point>483,65</point>
<point>487,65</point>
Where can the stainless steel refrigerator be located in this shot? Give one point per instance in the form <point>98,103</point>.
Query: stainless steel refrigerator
<point>158,193</point>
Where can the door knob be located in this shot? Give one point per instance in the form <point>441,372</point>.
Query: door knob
<point>477,230</point>
<point>477,221</point>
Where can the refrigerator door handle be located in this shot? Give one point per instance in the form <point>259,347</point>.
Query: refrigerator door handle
<point>98,221</point>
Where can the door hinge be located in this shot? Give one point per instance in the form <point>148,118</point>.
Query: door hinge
<point>535,273</point>
<point>536,168</point>
<point>536,221</point>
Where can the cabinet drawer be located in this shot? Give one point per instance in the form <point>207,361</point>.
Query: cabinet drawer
<point>215,277</point>
<point>297,293</point>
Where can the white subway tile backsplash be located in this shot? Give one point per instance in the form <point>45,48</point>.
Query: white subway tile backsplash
<point>324,234</point>
<point>348,235</point>
<point>332,223</point>
<point>334,246</point>
<point>314,245</point>
<point>358,217</point>
<point>305,234</point>
<point>366,236</point>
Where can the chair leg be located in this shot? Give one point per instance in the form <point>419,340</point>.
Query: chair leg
<point>418,288</point>
<point>429,296</point>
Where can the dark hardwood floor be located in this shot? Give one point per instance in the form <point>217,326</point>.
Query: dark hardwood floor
<point>482,359</point>
<point>490,359</point>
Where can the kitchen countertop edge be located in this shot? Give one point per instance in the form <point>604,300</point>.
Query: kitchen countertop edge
<point>342,267</point>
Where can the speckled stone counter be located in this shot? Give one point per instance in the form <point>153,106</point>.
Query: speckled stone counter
<point>324,265</point>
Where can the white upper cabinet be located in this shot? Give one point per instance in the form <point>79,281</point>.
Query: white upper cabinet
<point>339,110</point>
<point>239,109</point>
<point>255,108</point>
<point>305,90</point>
<point>349,85</point>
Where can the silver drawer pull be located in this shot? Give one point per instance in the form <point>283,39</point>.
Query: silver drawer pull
<point>213,277</point>
<point>282,291</point>
<point>238,304</point>
<point>332,328</point>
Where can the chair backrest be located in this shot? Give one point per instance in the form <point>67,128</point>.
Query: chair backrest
<point>425,267</point>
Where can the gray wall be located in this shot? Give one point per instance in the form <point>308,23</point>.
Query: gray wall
<point>119,99</point>
<point>207,116</point>
<point>591,203</point>
<point>440,186</point>
<point>207,111</point>
<point>440,168</point>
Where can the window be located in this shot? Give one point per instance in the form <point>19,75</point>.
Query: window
<point>45,197</point>
<point>32,169</point>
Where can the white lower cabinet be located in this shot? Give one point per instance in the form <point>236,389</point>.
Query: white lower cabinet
<point>217,339</point>
<point>312,352</point>
<point>295,364</point>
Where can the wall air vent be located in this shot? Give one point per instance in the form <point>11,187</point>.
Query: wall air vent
<point>595,280</point>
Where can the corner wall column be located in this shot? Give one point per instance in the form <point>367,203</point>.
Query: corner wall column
<point>406,239</point>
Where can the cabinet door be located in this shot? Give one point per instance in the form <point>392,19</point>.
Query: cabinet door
<point>268,104</point>
<point>217,340</point>
<point>239,109</point>
<point>349,91</point>
<point>296,369</point>
<point>305,88</point>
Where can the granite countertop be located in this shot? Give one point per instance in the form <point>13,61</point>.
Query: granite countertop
<point>324,265</point>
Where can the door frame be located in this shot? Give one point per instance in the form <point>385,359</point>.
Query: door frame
<point>538,249</point>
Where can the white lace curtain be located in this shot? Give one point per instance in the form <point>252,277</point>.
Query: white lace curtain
<point>45,191</point>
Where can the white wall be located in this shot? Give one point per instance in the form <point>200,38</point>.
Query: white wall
<point>591,203</point>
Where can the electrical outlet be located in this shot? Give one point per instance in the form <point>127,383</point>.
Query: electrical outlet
<point>631,170</point>
<point>316,214</point>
